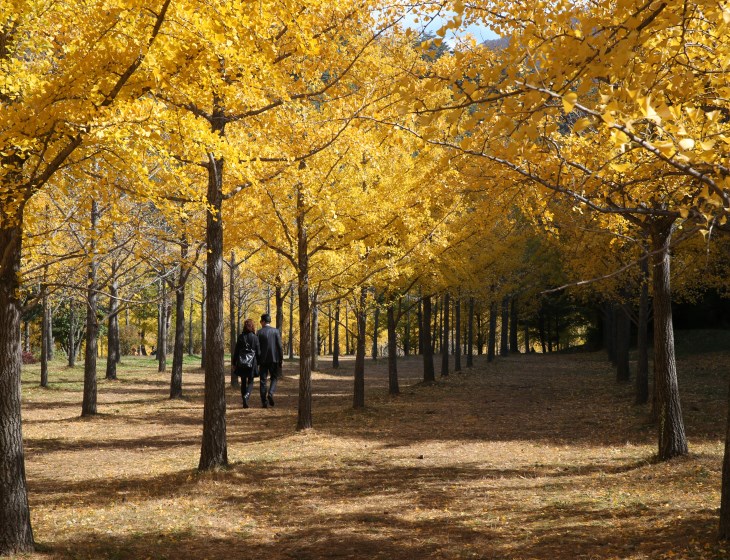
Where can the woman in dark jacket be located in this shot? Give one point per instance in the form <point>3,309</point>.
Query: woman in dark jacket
<point>245,358</point>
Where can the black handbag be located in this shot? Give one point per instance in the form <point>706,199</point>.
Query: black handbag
<point>245,359</point>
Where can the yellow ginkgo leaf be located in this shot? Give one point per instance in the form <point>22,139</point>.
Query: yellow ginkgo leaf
<point>686,143</point>
<point>581,124</point>
<point>569,101</point>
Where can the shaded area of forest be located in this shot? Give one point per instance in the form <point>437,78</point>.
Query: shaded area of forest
<point>535,456</point>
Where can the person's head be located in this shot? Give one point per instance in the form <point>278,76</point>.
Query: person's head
<point>248,326</point>
<point>265,319</point>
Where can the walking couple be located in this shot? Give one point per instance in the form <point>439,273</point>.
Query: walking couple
<point>258,354</point>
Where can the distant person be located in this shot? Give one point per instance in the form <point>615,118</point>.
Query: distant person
<point>271,357</point>
<point>245,359</point>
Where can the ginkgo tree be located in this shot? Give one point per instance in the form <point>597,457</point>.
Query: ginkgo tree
<point>62,68</point>
<point>597,104</point>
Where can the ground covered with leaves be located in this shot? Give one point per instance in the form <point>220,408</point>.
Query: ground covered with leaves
<point>529,457</point>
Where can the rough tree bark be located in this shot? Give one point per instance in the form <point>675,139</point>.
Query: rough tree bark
<point>329,328</point>
<point>513,344</point>
<point>16,535</point>
<point>725,493</point>
<point>407,328</point>
<point>672,438</point>
<point>44,333</point>
<point>162,328</point>
<point>504,331</point>
<point>203,324</point>
<point>232,314</point>
<point>457,334</point>
<point>88,407</point>
<point>315,333</point>
<point>304,415</point>
<point>279,296</point>
<point>72,335</point>
<point>470,335</point>
<point>113,325</point>
<point>376,327</point>
<point>541,330</point>
<point>623,340</point>
<point>642,342</point>
<point>291,322</point>
<point>480,334</point>
<point>359,393</point>
<point>445,341</point>
<point>393,388</point>
<point>419,319</point>
<point>492,337</point>
<point>190,327</point>
<point>214,450</point>
<point>336,335</point>
<point>177,351</point>
<point>429,372</point>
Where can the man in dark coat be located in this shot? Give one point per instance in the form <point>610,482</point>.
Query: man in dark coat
<point>271,355</point>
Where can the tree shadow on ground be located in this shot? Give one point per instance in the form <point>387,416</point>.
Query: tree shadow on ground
<point>395,496</point>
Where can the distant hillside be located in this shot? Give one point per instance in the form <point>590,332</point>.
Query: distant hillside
<point>497,44</point>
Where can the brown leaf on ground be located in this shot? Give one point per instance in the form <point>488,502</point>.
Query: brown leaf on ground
<point>530,457</point>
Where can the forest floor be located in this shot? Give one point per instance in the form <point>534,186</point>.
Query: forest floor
<point>529,457</point>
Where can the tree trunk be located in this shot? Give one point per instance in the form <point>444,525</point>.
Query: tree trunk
<point>329,329</point>
<point>527,338</point>
<point>470,335</point>
<point>304,418</point>
<point>504,331</point>
<point>445,340</point>
<point>672,438</point>
<point>336,334</point>
<point>279,301</point>
<point>407,329</point>
<point>88,407</point>
<point>315,334</point>
<point>232,312</point>
<point>393,388</point>
<point>623,340</point>
<point>607,330</point>
<point>613,334</point>
<point>725,488</point>
<point>642,342</point>
<point>177,351</point>
<point>203,323</point>
<point>541,330</point>
<point>190,327</point>
<point>480,334</point>
<point>419,318</point>
<point>376,319</point>
<point>291,322</point>
<point>438,333</point>
<point>513,345</point>
<point>213,450</point>
<point>49,334</point>
<point>457,334</point>
<point>492,343</point>
<point>113,326</point>
<point>347,331</point>
<point>44,335</point>
<point>71,334</point>
<point>429,373</point>
<point>359,393</point>
<point>16,535</point>
<point>162,329</point>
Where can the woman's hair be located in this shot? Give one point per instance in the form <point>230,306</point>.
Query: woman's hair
<point>248,326</point>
